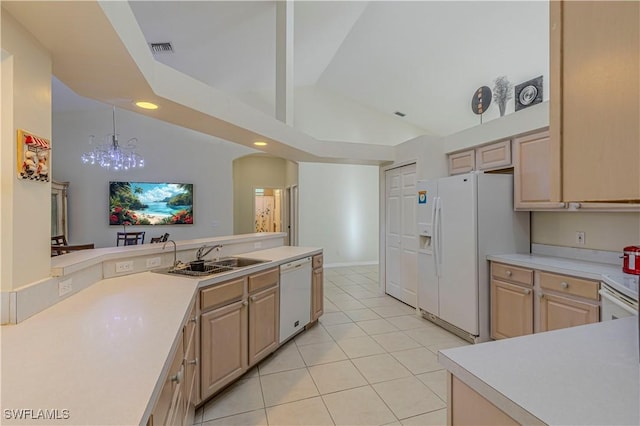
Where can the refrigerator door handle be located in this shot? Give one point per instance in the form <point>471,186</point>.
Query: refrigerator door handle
<point>436,235</point>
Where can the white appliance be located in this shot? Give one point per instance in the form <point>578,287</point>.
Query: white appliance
<point>619,296</point>
<point>295,297</point>
<point>461,220</point>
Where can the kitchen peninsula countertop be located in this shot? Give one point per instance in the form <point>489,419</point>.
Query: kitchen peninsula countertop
<point>100,353</point>
<point>585,375</point>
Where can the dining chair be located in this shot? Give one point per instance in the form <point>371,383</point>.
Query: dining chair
<point>59,240</point>
<point>160,239</point>
<point>57,250</point>
<point>130,238</point>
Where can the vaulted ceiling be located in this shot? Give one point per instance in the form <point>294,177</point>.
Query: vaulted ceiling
<point>361,61</point>
<point>422,58</point>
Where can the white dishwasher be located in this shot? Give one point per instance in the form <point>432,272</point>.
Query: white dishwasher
<point>295,297</point>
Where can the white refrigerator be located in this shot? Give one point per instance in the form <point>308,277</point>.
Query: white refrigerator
<point>461,220</point>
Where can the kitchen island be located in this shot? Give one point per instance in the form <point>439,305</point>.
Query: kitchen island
<point>586,375</point>
<point>102,355</point>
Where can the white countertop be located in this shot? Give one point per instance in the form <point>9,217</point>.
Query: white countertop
<point>71,262</point>
<point>282,254</point>
<point>611,274</point>
<point>100,353</point>
<point>586,375</point>
<point>560,265</point>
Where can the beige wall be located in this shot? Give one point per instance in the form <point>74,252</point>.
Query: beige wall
<point>25,226</point>
<point>603,231</point>
<point>256,171</point>
<point>339,211</point>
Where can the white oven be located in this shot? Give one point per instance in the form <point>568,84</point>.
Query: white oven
<point>619,297</point>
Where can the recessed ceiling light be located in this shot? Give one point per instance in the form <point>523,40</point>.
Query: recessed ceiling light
<point>146,105</point>
<point>260,143</point>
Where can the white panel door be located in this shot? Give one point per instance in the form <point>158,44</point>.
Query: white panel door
<point>409,237</point>
<point>393,226</point>
<point>401,234</point>
<point>458,289</point>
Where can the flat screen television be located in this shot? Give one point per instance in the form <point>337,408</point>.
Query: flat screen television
<point>150,203</point>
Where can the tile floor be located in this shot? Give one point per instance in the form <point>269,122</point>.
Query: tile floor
<point>370,361</point>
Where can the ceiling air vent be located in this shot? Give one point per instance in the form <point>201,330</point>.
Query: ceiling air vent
<point>161,47</point>
<point>400,114</point>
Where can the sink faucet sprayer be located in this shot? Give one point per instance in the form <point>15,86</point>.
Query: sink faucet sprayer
<point>202,253</point>
<point>175,259</point>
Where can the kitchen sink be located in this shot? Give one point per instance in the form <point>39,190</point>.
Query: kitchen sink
<point>211,267</point>
<point>237,262</point>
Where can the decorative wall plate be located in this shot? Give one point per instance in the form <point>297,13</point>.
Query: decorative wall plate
<point>528,93</point>
<point>481,100</point>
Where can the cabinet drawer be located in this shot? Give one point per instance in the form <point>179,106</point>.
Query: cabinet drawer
<point>512,273</point>
<point>264,279</point>
<point>317,261</point>
<point>221,294</point>
<point>493,156</point>
<point>569,285</point>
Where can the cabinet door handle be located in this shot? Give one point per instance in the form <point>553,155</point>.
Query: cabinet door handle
<point>193,319</point>
<point>564,284</point>
<point>245,303</point>
<point>527,291</point>
<point>193,362</point>
<point>177,377</point>
<point>540,294</point>
<point>508,273</point>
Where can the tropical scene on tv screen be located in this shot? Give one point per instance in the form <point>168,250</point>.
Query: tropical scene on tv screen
<point>144,203</point>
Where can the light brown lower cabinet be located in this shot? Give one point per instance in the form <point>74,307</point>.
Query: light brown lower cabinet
<point>562,301</point>
<point>223,346</point>
<point>561,312</point>
<point>317,288</point>
<point>264,323</point>
<point>468,407</point>
<point>175,405</point>
<point>240,330</point>
<point>512,310</point>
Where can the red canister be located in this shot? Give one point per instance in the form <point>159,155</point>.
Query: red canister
<point>631,260</point>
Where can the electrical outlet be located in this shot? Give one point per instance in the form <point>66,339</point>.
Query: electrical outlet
<point>124,266</point>
<point>580,237</point>
<point>153,262</point>
<point>64,287</point>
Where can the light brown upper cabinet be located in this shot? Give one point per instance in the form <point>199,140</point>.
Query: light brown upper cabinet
<point>493,156</point>
<point>595,100</point>
<point>536,179</point>
<point>462,162</point>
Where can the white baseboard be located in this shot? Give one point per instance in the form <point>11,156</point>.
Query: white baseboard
<point>346,264</point>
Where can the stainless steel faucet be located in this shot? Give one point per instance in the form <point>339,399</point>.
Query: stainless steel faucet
<point>175,257</point>
<point>202,253</point>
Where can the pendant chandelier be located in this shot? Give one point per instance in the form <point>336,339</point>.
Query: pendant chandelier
<point>111,155</point>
